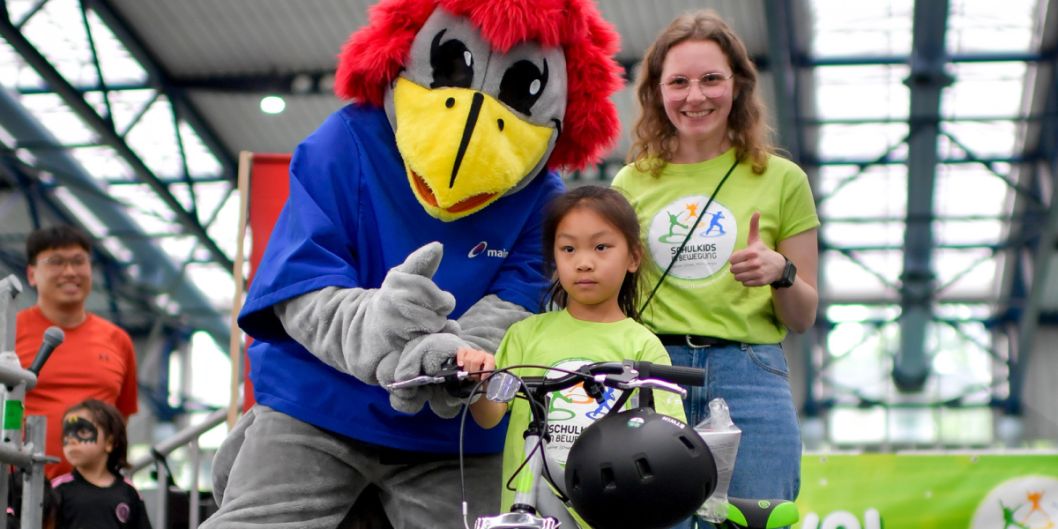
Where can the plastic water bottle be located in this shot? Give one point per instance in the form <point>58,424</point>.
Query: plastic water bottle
<point>722,437</point>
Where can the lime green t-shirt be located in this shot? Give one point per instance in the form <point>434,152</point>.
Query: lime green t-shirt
<point>557,339</point>
<point>700,295</point>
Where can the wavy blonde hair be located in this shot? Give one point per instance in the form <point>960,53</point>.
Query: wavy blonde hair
<point>654,136</point>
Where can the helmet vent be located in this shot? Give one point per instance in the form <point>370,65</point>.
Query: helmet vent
<point>687,443</point>
<point>608,481</point>
<point>643,466</point>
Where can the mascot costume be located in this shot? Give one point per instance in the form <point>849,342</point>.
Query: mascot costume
<point>413,228</point>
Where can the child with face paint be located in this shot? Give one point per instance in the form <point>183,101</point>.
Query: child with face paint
<point>95,494</point>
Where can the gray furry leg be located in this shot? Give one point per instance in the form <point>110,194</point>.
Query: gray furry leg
<point>416,496</point>
<point>229,449</point>
<point>289,475</point>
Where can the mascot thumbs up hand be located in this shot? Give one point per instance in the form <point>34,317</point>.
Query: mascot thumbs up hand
<point>363,331</point>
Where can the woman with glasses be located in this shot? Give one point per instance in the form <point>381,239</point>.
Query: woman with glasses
<point>730,233</point>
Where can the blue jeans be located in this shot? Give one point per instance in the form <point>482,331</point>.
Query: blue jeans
<point>754,380</point>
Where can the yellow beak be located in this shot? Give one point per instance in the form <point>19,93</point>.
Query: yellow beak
<point>462,149</point>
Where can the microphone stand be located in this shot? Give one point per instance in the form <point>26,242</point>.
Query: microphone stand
<point>14,382</point>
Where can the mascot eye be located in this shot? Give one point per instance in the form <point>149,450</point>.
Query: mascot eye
<point>522,85</point>
<point>452,62</point>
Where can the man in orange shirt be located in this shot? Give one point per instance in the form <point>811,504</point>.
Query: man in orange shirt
<point>95,361</point>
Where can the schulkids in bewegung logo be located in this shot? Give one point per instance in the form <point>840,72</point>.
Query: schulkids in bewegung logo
<point>709,246</point>
<point>571,411</point>
<point>1027,502</point>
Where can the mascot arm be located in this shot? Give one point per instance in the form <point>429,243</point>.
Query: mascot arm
<point>482,326</point>
<point>363,331</point>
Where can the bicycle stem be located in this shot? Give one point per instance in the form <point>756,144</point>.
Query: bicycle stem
<point>528,510</point>
<point>538,460</point>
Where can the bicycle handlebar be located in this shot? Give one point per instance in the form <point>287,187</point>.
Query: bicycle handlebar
<point>622,375</point>
<point>687,376</point>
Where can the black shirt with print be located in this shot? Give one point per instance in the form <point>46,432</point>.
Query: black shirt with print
<point>83,505</point>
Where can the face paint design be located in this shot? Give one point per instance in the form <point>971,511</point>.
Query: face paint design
<point>79,428</point>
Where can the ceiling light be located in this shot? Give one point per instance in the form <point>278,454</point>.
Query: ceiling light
<point>272,104</point>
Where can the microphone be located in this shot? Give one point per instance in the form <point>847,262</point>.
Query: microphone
<point>52,338</point>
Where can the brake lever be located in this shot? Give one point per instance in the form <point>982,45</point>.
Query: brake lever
<point>653,383</point>
<point>451,377</point>
<point>421,380</point>
<point>448,370</point>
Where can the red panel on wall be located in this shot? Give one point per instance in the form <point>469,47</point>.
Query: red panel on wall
<point>269,187</point>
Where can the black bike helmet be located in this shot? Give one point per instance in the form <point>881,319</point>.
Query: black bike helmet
<point>640,469</point>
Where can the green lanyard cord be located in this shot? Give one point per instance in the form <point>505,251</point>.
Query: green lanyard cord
<point>687,238</point>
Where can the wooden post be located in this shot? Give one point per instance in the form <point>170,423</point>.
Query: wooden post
<point>235,346</point>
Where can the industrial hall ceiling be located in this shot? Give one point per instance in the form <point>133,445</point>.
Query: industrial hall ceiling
<point>929,131</point>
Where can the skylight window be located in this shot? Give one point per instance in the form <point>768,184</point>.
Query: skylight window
<point>58,33</point>
<point>13,70</point>
<point>864,92</point>
<point>861,29</point>
<point>104,163</point>
<point>991,89</point>
<point>60,121</point>
<point>975,26</point>
<point>859,143</point>
<point>863,103</point>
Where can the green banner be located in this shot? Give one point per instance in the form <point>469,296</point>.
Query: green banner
<point>929,491</point>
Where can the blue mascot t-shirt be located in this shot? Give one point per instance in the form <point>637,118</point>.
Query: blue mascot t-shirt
<point>350,218</point>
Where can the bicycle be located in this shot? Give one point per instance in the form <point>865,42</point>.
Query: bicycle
<point>537,508</point>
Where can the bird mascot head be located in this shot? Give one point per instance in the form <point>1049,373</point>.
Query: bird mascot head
<point>484,94</point>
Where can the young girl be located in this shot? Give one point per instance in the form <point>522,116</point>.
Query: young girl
<point>95,494</point>
<point>591,239</point>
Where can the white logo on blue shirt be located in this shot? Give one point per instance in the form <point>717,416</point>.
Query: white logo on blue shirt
<point>483,247</point>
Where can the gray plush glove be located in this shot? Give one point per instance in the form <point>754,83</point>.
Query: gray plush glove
<point>363,331</point>
<point>481,327</point>
<point>425,356</point>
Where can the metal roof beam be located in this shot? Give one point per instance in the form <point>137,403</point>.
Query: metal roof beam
<point>911,366</point>
<point>162,81</point>
<point>1043,249</point>
<point>896,60</point>
<point>164,277</point>
<point>321,81</point>
<point>781,42</point>
<point>109,136</point>
<point>865,162</point>
<point>819,122</point>
<point>312,82</point>
<point>115,284</point>
<point>295,83</point>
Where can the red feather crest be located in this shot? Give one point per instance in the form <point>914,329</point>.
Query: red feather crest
<point>374,56</point>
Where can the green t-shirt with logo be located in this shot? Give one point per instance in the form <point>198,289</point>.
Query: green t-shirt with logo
<point>557,339</point>
<point>700,295</point>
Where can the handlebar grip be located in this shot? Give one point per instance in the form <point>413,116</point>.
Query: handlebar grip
<point>687,376</point>
<point>454,386</point>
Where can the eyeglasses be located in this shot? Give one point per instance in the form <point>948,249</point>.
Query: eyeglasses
<point>58,262</point>
<point>711,84</point>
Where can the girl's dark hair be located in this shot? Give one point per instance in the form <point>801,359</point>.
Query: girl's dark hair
<point>113,424</point>
<point>654,136</point>
<point>612,206</point>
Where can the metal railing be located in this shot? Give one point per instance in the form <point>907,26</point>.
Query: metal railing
<point>28,454</point>
<point>158,458</point>
<point>15,381</point>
